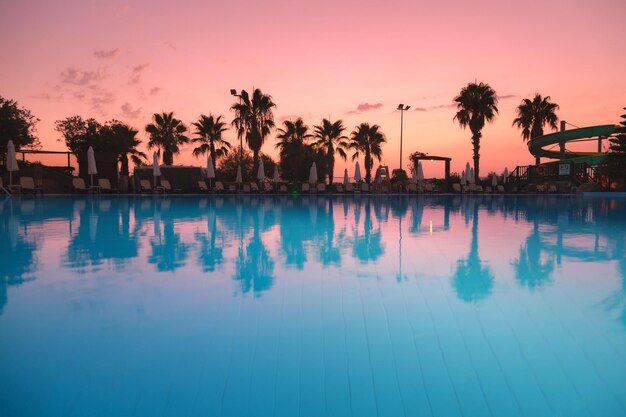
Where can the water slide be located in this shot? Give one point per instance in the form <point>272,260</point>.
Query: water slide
<point>539,147</point>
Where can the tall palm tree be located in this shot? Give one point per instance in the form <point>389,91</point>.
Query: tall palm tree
<point>293,148</point>
<point>476,104</point>
<point>209,137</point>
<point>125,141</point>
<point>330,137</point>
<point>254,120</point>
<point>533,115</point>
<point>367,140</point>
<point>166,133</point>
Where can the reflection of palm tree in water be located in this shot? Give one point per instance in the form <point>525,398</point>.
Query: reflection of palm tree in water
<point>168,251</point>
<point>473,281</point>
<point>254,266</point>
<point>368,246</point>
<point>210,255</point>
<point>530,271</point>
<point>327,242</point>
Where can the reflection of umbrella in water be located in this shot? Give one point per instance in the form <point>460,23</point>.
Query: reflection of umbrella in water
<point>210,172</point>
<point>13,229</point>
<point>156,170</point>
<point>238,176</point>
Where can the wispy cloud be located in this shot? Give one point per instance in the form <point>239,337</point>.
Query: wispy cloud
<point>443,106</point>
<point>100,100</point>
<point>77,77</point>
<point>421,109</point>
<point>366,107</point>
<point>106,54</point>
<point>505,96</point>
<point>129,112</point>
<point>141,67</point>
<point>155,90</point>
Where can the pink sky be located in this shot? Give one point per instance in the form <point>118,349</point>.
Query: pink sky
<point>129,59</point>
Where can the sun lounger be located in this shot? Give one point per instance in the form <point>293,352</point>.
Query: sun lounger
<point>232,188</point>
<point>219,187</point>
<point>254,187</point>
<point>552,189</point>
<point>456,188</point>
<point>365,188</point>
<point>146,187</point>
<point>305,187</point>
<point>167,187</point>
<point>466,189</point>
<point>282,188</point>
<point>539,188</point>
<point>479,188</point>
<point>27,185</point>
<point>488,189</point>
<point>500,188</point>
<point>349,188</point>
<point>105,186</point>
<point>321,188</point>
<point>267,187</point>
<point>339,188</point>
<point>202,186</point>
<point>78,185</point>
<point>245,188</point>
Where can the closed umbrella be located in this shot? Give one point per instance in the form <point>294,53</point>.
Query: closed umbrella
<point>313,174</point>
<point>471,178</point>
<point>210,171</point>
<point>357,172</point>
<point>156,171</point>
<point>346,180</point>
<point>413,175</point>
<point>11,161</point>
<point>260,175</point>
<point>505,174</point>
<point>494,180</point>
<point>463,179</point>
<point>420,172</point>
<point>238,177</point>
<point>468,169</point>
<point>91,164</point>
<point>276,174</point>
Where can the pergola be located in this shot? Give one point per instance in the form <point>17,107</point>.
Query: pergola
<point>446,160</point>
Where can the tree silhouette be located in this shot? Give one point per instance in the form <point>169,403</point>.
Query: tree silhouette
<point>167,134</point>
<point>331,139</point>
<point>367,140</point>
<point>209,131</point>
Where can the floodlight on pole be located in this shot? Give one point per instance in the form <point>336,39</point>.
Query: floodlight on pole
<point>402,109</point>
<point>233,92</point>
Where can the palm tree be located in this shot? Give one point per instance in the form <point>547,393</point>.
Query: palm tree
<point>124,139</point>
<point>294,151</point>
<point>254,120</point>
<point>533,115</point>
<point>330,137</point>
<point>166,134</point>
<point>209,130</point>
<point>368,140</point>
<point>476,103</point>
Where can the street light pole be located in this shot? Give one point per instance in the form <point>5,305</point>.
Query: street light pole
<point>234,93</point>
<point>402,109</point>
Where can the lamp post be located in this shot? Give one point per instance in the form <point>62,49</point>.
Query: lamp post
<point>402,109</point>
<point>234,93</point>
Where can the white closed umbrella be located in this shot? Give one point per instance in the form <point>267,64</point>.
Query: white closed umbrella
<point>463,178</point>
<point>238,177</point>
<point>276,174</point>
<point>210,171</point>
<point>471,177</point>
<point>357,172</point>
<point>420,172</point>
<point>505,174</point>
<point>91,164</point>
<point>260,175</point>
<point>494,180</point>
<point>413,175</point>
<point>313,174</point>
<point>156,171</point>
<point>468,168</point>
<point>11,161</point>
<point>346,180</point>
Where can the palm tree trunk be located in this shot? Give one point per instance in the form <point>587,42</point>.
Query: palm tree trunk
<point>124,164</point>
<point>168,158</point>
<point>476,144</point>
<point>255,166</point>
<point>331,168</point>
<point>368,162</point>
<point>212,150</point>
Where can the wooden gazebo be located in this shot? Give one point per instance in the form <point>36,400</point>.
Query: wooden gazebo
<point>446,160</point>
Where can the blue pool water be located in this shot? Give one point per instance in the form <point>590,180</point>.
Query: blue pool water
<point>303,306</point>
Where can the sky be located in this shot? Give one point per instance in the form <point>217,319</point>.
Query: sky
<point>349,60</point>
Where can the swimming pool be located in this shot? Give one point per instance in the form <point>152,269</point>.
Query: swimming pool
<point>313,306</point>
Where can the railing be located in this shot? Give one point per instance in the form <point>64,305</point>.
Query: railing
<point>576,172</point>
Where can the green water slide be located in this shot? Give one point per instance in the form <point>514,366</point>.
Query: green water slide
<point>537,146</point>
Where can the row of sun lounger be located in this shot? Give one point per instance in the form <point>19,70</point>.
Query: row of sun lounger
<point>476,188</point>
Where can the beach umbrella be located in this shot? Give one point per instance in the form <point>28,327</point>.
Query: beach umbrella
<point>313,174</point>
<point>276,174</point>
<point>494,180</point>
<point>91,164</point>
<point>238,177</point>
<point>11,161</point>
<point>413,175</point>
<point>260,175</point>
<point>420,172</point>
<point>462,179</point>
<point>156,171</point>
<point>346,180</point>
<point>471,178</point>
<point>468,168</point>
<point>357,172</point>
<point>210,171</point>
<point>505,174</point>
